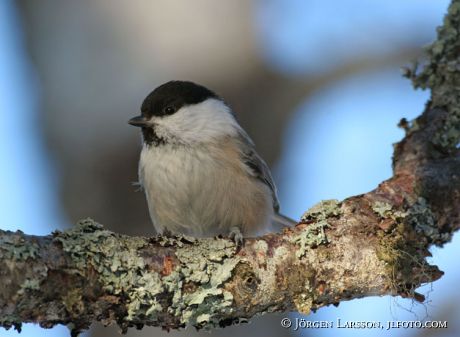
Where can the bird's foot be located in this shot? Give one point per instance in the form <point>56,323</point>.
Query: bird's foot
<point>166,232</point>
<point>237,237</point>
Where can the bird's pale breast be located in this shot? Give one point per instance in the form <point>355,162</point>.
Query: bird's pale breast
<point>199,192</point>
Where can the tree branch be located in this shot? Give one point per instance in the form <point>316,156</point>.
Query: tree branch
<point>370,244</point>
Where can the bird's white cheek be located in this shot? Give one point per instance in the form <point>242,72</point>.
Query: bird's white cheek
<point>199,123</point>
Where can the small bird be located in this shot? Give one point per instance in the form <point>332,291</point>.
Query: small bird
<point>199,169</point>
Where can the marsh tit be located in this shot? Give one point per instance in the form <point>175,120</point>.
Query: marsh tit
<point>199,169</point>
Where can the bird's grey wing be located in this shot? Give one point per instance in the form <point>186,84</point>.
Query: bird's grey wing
<point>256,166</point>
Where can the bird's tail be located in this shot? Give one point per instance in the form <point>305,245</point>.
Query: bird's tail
<point>280,221</point>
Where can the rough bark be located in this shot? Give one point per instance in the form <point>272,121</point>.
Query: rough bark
<point>370,244</point>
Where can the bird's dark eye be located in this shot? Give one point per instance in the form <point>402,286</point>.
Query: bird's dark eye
<point>169,110</point>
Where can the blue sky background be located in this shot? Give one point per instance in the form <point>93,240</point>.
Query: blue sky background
<point>346,151</point>
<point>28,180</point>
<point>342,149</point>
<point>339,143</point>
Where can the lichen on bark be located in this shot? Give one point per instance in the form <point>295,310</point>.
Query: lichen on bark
<point>442,75</point>
<point>367,245</point>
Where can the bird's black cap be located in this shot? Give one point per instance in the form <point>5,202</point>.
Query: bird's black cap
<point>166,100</point>
<point>173,95</point>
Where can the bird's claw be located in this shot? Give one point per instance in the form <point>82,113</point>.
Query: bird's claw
<point>237,237</point>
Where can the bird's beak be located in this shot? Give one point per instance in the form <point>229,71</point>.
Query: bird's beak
<point>139,121</point>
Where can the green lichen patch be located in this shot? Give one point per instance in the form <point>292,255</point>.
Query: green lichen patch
<point>303,303</point>
<point>417,216</point>
<point>322,210</point>
<point>8,321</point>
<point>442,75</point>
<point>177,241</point>
<point>206,264</point>
<point>405,263</point>
<point>312,236</point>
<point>29,284</point>
<point>448,136</point>
<point>15,251</point>
<point>442,54</point>
<point>73,302</point>
<point>403,250</point>
<point>389,217</point>
<point>315,235</point>
<point>383,209</point>
<point>421,218</point>
<point>15,247</point>
<point>387,250</point>
<point>121,270</point>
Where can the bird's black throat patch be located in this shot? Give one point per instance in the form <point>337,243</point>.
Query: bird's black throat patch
<point>151,138</point>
